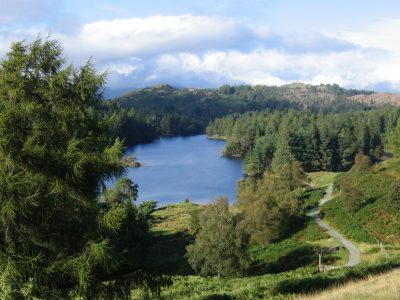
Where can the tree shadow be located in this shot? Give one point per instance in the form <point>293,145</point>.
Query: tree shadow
<point>367,202</point>
<point>297,258</point>
<point>167,254</point>
<point>219,297</point>
<point>296,225</point>
<point>319,281</point>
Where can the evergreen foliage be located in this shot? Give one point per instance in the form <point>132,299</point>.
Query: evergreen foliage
<point>57,239</point>
<point>321,142</point>
<point>128,125</point>
<point>170,111</point>
<point>220,247</point>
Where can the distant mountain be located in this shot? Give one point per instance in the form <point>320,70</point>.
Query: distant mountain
<point>173,108</point>
<point>252,97</point>
<point>303,94</point>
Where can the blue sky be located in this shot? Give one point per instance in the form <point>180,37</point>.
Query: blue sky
<point>207,43</point>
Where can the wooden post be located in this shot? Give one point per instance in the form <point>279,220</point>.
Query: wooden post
<point>384,250</point>
<point>320,261</point>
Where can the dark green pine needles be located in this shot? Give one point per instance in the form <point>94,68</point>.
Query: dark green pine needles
<point>57,238</point>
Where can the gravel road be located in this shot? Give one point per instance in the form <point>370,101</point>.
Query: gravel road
<point>354,253</point>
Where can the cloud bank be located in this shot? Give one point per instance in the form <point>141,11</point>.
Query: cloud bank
<point>207,51</point>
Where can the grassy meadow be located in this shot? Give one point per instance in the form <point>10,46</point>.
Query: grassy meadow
<point>280,270</point>
<point>384,286</point>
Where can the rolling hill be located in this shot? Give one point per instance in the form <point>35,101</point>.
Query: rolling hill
<point>199,106</point>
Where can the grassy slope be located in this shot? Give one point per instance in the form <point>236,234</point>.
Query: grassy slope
<point>379,287</point>
<point>172,233</point>
<point>322,179</point>
<point>174,218</point>
<point>269,286</point>
<point>301,248</point>
<point>297,251</point>
<point>172,228</point>
<point>376,219</point>
<point>279,271</point>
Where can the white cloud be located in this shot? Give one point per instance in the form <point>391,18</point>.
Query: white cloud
<point>188,50</point>
<point>358,68</point>
<point>122,69</point>
<point>144,37</point>
<point>381,35</point>
<point>363,59</point>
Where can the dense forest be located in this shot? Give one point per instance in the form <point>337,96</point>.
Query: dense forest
<point>321,142</point>
<point>164,110</point>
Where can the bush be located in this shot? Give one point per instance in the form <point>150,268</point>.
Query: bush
<point>220,248</point>
<point>394,195</point>
<point>350,193</point>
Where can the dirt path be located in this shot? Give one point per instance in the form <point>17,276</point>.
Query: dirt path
<point>354,253</point>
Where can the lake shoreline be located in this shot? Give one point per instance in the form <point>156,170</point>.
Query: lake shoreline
<point>217,137</point>
<point>184,167</point>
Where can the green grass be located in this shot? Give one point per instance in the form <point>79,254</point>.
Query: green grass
<point>311,197</point>
<point>347,225</point>
<point>288,267</point>
<point>311,232</point>
<point>269,286</point>
<point>175,218</point>
<point>283,256</point>
<point>322,179</point>
<point>172,232</point>
<point>376,219</point>
<point>298,250</point>
<point>315,236</point>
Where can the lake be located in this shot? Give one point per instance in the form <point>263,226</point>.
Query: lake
<point>178,168</point>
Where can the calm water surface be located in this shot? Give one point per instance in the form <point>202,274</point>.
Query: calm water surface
<point>176,168</point>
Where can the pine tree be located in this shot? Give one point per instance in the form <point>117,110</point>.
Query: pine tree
<point>313,153</point>
<point>283,154</point>
<point>347,148</point>
<point>56,236</point>
<point>260,157</point>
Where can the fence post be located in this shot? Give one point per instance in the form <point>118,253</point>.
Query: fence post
<point>320,266</point>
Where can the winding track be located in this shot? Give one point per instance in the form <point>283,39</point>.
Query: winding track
<point>354,253</point>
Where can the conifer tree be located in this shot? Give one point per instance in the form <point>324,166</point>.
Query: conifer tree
<point>56,236</point>
<point>283,154</point>
<point>313,154</point>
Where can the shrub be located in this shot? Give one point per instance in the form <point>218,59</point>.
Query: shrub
<point>220,248</point>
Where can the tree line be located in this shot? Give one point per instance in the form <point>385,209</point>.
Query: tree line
<point>320,141</point>
<point>278,147</point>
<point>165,110</point>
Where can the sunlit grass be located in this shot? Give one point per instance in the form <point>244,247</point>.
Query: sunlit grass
<point>379,287</point>
<point>174,217</point>
<point>321,179</point>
